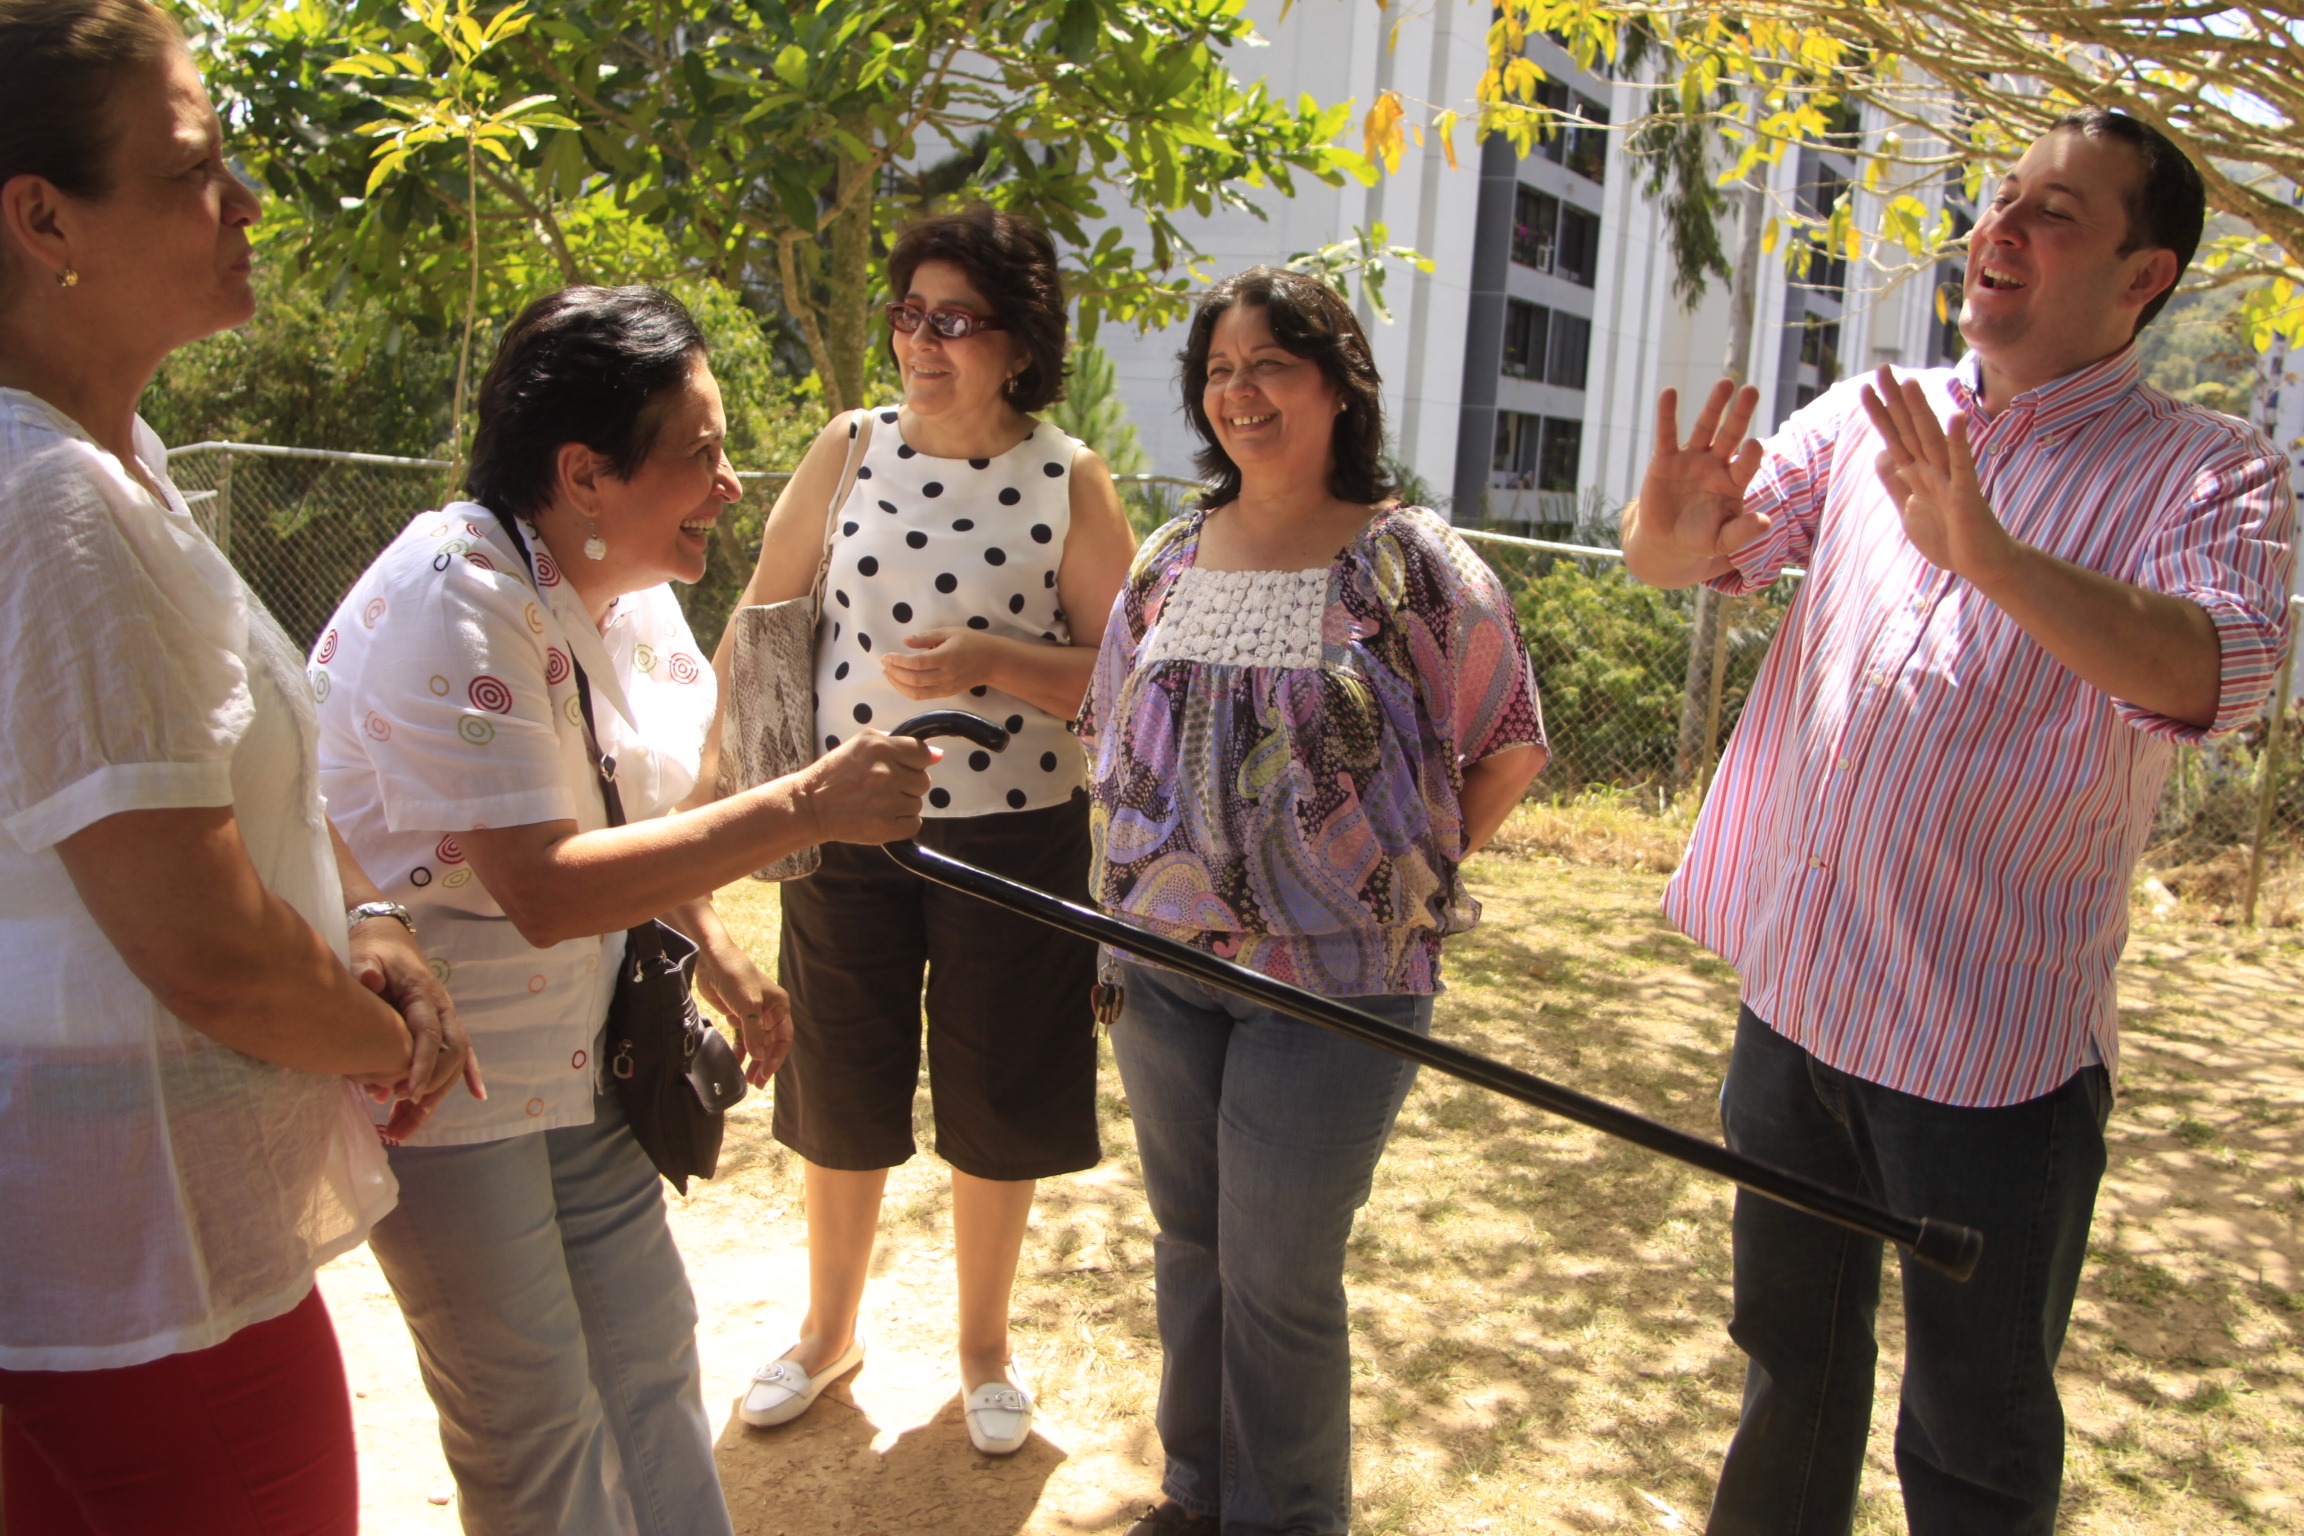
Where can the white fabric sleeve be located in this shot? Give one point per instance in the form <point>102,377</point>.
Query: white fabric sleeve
<point>127,690</point>
<point>452,704</point>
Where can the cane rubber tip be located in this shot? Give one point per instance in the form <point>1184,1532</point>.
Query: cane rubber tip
<point>955,722</point>
<point>1949,1247</point>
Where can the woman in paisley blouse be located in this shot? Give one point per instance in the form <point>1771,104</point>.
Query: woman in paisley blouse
<point>1311,705</point>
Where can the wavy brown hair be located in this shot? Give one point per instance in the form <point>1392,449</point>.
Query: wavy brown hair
<point>1011,261</point>
<point>1310,320</point>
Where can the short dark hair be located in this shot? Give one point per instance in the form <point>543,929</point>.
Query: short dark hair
<point>1011,261</point>
<point>2168,205</point>
<point>1310,320</point>
<point>584,365</point>
<point>62,64</point>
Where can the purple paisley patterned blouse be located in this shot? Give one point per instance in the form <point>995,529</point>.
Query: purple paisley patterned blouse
<point>1277,757</point>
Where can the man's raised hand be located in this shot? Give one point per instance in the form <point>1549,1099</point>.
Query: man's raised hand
<point>1931,477</point>
<point>1692,498</point>
<point>1690,515</point>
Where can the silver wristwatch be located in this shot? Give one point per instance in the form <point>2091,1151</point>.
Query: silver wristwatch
<point>355,916</point>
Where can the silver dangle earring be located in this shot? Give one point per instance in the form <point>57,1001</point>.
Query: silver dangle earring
<point>595,547</point>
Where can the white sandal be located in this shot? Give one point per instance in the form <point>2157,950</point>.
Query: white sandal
<point>781,1391</point>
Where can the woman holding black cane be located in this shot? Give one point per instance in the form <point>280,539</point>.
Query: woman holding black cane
<point>1312,705</point>
<point>500,661</point>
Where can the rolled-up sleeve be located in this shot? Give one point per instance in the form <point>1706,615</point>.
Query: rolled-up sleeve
<point>2231,548</point>
<point>1790,489</point>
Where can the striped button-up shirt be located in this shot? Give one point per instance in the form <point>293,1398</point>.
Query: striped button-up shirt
<point>1918,849</point>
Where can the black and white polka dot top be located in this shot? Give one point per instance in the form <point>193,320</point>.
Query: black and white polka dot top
<point>926,543</point>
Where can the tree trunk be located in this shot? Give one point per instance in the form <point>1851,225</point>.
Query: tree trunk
<point>1700,692</point>
<point>851,279</point>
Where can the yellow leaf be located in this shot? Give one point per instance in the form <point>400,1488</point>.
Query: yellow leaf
<point>1768,236</point>
<point>1855,243</point>
<point>1942,303</point>
<point>1380,133</point>
<point>1445,126</point>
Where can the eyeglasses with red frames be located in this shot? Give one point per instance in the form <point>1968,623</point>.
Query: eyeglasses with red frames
<point>951,324</point>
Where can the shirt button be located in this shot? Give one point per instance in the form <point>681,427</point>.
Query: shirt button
<point>1842,765</point>
<point>1815,863</point>
<point>1879,679</point>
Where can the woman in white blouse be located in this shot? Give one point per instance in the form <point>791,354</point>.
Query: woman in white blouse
<point>185,998</point>
<point>530,1252</point>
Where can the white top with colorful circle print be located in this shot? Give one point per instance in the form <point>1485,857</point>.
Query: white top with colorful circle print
<point>158,1191</point>
<point>448,702</point>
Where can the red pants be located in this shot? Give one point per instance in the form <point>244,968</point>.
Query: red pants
<point>250,1438</point>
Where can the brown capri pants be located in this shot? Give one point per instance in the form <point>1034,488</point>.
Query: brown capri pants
<point>1011,1035</point>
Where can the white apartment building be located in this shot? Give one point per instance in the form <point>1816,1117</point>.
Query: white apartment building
<point>1521,373</point>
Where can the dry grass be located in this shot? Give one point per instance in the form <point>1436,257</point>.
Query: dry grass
<point>1539,1312</point>
<point>2212,886</point>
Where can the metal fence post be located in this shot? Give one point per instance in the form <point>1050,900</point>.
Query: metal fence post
<point>2268,773</point>
<point>1699,724</point>
<point>223,521</point>
<point>1727,607</point>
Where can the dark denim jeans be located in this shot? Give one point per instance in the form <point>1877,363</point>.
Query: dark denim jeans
<point>1980,1435</point>
<point>1259,1136</point>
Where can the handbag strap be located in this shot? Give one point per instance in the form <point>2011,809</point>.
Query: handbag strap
<point>602,764</point>
<point>859,443</point>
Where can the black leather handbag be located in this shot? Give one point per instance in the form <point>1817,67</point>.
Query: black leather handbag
<point>676,1075</point>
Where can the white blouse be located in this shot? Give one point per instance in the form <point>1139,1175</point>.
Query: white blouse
<point>448,702</point>
<point>928,543</point>
<point>158,1191</point>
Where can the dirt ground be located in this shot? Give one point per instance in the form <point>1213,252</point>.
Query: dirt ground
<point>1539,1312</point>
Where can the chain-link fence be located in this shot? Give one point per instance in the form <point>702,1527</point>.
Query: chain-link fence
<point>1640,686</point>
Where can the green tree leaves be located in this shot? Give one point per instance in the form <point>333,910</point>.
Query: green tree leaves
<point>755,138</point>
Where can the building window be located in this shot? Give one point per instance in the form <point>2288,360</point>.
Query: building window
<point>1535,228</point>
<point>1518,436</point>
<point>1820,349</point>
<point>1535,453</point>
<point>1571,344</point>
<point>1826,269</point>
<point>1579,255</point>
<point>1563,445</point>
<point>1583,150</point>
<point>1546,345</point>
<point>1527,338</point>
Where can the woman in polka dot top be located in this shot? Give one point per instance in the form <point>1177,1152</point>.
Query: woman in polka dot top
<point>973,560</point>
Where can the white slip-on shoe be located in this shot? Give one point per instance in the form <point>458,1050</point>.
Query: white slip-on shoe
<point>999,1418</point>
<point>781,1391</point>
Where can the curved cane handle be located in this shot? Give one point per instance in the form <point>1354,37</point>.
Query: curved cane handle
<point>954,722</point>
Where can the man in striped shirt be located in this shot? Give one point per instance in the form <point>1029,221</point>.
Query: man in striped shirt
<point>2030,576</point>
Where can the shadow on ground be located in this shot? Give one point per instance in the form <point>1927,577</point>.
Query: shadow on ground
<point>823,1474</point>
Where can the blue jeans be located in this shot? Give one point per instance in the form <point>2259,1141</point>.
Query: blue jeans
<point>556,1333</point>
<point>1980,1433</point>
<point>1259,1136</point>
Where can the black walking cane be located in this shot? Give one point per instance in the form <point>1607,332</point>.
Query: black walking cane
<point>1939,1244</point>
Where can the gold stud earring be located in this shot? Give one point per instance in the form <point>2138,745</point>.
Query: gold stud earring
<point>68,278</point>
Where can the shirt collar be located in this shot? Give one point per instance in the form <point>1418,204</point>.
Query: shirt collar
<point>559,595</point>
<point>2061,402</point>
